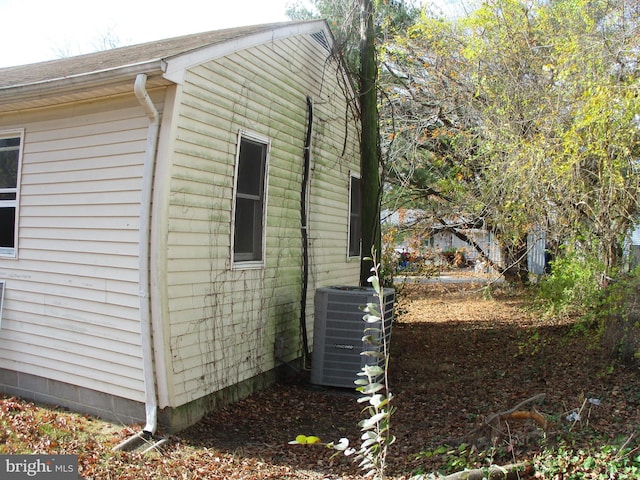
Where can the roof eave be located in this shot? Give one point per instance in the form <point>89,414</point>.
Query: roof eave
<point>65,85</point>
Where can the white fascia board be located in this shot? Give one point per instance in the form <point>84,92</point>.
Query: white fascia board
<point>175,68</point>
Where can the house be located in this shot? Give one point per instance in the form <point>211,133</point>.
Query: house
<point>167,211</point>
<point>435,238</point>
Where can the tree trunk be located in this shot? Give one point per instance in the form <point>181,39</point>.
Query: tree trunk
<point>369,142</point>
<point>516,270</point>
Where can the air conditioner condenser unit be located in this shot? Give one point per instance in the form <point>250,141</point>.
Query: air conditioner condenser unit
<point>338,331</point>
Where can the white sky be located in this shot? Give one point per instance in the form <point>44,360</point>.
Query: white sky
<point>38,30</point>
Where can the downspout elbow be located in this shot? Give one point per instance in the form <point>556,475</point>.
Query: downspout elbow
<point>140,90</point>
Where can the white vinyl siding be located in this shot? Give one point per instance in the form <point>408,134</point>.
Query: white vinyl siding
<point>71,308</point>
<point>224,321</point>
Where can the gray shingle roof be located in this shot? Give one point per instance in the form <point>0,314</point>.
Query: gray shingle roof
<point>124,56</point>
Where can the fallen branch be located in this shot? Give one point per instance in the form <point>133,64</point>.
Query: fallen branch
<point>516,413</point>
<point>535,398</point>
<point>495,472</point>
<point>493,427</point>
<point>534,415</point>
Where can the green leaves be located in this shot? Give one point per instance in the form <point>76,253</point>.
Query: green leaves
<point>602,464</point>
<point>375,283</point>
<point>373,421</point>
<point>370,388</point>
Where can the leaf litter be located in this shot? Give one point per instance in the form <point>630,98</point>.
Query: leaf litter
<point>458,357</point>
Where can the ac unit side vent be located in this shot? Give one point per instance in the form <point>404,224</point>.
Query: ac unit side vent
<point>338,332</point>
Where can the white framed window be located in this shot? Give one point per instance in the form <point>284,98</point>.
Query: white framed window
<point>2,284</point>
<point>249,200</point>
<point>10,166</point>
<point>355,215</point>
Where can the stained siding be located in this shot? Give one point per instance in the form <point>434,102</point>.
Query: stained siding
<point>224,322</point>
<point>71,303</point>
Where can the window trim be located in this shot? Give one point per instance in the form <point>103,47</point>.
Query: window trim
<point>350,255</point>
<point>254,137</point>
<point>8,252</point>
<point>3,287</point>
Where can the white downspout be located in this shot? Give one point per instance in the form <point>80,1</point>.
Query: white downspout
<point>151,403</point>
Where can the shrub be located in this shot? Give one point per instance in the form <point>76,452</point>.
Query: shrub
<point>573,285</point>
<point>619,319</point>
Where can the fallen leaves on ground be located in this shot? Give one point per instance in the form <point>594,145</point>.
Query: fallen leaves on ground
<point>457,357</point>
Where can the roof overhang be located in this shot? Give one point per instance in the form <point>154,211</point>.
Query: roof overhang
<point>80,87</point>
<point>161,71</point>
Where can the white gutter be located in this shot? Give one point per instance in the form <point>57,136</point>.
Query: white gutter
<point>151,404</point>
<point>70,83</point>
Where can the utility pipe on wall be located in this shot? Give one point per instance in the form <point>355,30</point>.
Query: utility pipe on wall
<point>304,228</point>
<point>151,403</point>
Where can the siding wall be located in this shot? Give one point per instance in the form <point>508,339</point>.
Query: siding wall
<point>71,308</point>
<point>223,323</point>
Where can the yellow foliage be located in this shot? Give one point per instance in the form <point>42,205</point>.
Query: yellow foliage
<point>307,440</point>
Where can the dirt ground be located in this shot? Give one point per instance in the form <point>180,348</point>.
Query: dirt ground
<point>458,356</point>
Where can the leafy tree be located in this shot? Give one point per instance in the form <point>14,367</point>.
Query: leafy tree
<point>519,116</point>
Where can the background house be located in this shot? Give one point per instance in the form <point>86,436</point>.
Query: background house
<point>431,245</point>
<point>158,204</point>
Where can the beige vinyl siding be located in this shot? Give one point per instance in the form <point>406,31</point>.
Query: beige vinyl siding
<point>224,321</point>
<point>71,302</point>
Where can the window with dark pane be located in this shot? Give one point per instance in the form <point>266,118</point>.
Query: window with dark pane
<point>9,164</point>
<point>249,201</point>
<point>355,217</point>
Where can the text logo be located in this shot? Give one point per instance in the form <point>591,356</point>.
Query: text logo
<point>50,467</point>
